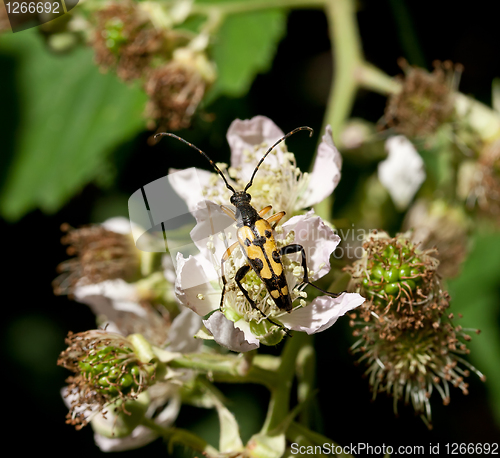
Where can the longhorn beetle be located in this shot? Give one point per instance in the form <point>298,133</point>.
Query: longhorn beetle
<point>255,237</point>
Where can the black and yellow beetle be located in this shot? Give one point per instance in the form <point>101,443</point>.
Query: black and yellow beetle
<point>256,239</point>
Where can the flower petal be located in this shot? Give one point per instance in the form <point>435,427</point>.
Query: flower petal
<point>402,173</point>
<point>245,135</point>
<point>182,331</point>
<point>109,298</point>
<point>118,224</point>
<point>322,313</point>
<point>140,435</point>
<point>235,336</point>
<point>189,184</point>
<point>192,286</point>
<point>326,172</point>
<point>212,225</point>
<point>318,239</point>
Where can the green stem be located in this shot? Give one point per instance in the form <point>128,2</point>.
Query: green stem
<point>279,405</point>
<point>306,374</point>
<point>228,368</point>
<point>177,435</point>
<point>374,79</point>
<point>347,58</point>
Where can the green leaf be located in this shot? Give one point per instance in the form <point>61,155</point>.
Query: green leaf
<point>476,295</point>
<point>70,117</point>
<point>245,46</point>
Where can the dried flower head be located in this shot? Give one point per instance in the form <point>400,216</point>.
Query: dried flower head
<point>425,101</point>
<point>409,344</point>
<point>106,368</point>
<point>100,254</point>
<point>176,88</point>
<point>124,37</point>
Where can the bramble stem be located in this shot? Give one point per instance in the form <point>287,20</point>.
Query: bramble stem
<point>182,436</point>
<point>229,368</point>
<point>306,375</point>
<point>279,404</point>
<point>347,58</point>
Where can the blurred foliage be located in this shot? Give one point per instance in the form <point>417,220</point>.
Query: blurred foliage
<point>476,295</point>
<point>245,46</point>
<point>70,118</point>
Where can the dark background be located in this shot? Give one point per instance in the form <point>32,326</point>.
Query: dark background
<point>293,93</point>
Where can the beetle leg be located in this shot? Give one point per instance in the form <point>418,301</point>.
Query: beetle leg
<point>243,270</point>
<point>225,257</point>
<point>265,210</point>
<point>276,218</point>
<point>295,248</point>
<point>228,211</point>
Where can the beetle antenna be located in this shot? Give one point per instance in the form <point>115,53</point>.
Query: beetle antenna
<point>272,147</point>
<point>212,163</point>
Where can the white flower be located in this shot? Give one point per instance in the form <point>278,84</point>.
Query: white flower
<point>402,173</point>
<point>238,326</point>
<point>118,305</point>
<point>161,402</point>
<point>279,182</point>
<point>164,396</point>
<point>129,308</point>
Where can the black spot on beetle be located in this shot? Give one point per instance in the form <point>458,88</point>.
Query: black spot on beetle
<point>247,242</point>
<point>259,241</point>
<point>268,233</point>
<point>257,264</point>
<point>276,257</point>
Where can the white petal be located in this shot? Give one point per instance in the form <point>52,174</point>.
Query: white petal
<point>214,226</point>
<point>140,437</point>
<point>193,288</point>
<point>235,336</point>
<point>111,298</point>
<point>318,239</point>
<point>402,173</point>
<point>182,331</point>
<point>125,226</point>
<point>326,172</point>
<point>322,313</point>
<point>119,224</point>
<point>246,135</point>
<point>169,414</point>
<point>189,184</point>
